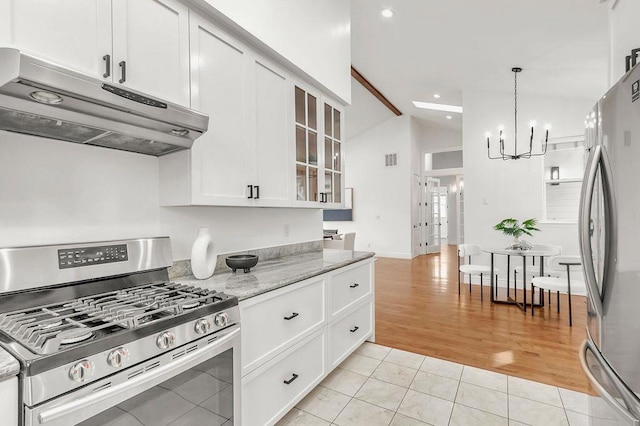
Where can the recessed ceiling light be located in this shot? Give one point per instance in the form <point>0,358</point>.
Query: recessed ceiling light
<point>387,13</point>
<point>436,95</point>
<point>438,107</point>
<point>449,117</point>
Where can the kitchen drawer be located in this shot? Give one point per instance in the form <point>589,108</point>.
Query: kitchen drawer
<point>272,322</point>
<point>349,287</point>
<point>265,395</point>
<point>348,333</point>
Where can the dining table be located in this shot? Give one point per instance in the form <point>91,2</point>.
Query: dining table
<point>524,254</point>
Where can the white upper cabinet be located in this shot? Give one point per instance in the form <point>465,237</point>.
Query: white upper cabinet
<point>243,159</point>
<point>271,96</point>
<point>222,159</point>
<point>74,33</point>
<point>318,127</point>
<point>143,44</point>
<point>151,47</point>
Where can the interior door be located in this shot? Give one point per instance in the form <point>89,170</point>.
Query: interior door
<point>432,214</point>
<point>416,216</point>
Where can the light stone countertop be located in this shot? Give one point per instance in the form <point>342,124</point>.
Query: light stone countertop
<point>272,274</point>
<point>9,366</point>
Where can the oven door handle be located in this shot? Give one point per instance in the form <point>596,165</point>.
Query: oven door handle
<point>92,404</point>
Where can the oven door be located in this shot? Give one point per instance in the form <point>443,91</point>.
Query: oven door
<point>195,384</point>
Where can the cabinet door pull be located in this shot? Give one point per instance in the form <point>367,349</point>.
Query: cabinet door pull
<point>123,72</point>
<point>354,329</point>
<point>354,285</point>
<point>257,187</point>
<point>292,316</point>
<point>250,187</point>
<point>107,65</point>
<point>288,382</point>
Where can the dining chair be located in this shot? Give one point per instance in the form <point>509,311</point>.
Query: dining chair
<point>468,250</point>
<point>563,283</point>
<point>349,240</point>
<point>549,270</point>
<point>345,243</point>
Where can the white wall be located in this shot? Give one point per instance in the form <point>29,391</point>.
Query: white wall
<point>313,35</point>
<point>496,189</point>
<point>59,192</point>
<point>436,138</point>
<point>239,228</point>
<point>365,111</point>
<point>381,195</point>
<point>624,35</point>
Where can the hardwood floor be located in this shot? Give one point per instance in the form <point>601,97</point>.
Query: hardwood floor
<point>418,309</point>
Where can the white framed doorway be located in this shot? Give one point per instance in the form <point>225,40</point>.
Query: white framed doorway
<point>432,214</point>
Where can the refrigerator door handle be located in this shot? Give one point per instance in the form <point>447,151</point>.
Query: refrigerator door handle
<point>611,236</point>
<point>586,198</point>
<point>610,399</point>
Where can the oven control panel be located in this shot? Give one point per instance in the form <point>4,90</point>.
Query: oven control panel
<point>85,256</point>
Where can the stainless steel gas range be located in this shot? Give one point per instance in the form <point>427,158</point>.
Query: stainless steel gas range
<point>103,337</point>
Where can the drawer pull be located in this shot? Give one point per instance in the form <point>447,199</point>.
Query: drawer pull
<point>292,316</point>
<point>288,382</point>
<point>354,285</point>
<point>354,329</point>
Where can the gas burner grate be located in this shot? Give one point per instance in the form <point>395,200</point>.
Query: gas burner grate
<point>47,329</point>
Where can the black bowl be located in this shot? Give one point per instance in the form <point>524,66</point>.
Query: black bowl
<point>242,261</point>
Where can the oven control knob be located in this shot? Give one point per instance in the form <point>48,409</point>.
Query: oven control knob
<point>166,340</point>
<point>202,326</point>
<point>118,357</point>
<point>222,319</point>
<point>82,371</point>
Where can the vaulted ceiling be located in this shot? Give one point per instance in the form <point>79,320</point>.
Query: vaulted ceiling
<point>450,46</point>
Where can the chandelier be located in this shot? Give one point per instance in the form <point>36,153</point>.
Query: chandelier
<point>516,155</point>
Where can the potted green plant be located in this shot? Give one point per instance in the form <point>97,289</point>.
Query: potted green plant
<point>513,228</point>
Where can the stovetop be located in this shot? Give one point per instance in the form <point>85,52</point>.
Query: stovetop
<point>50,328</point>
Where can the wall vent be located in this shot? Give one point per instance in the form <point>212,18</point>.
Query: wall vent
<point>391,160</point>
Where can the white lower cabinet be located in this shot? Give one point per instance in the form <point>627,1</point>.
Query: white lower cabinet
<point>349,286</point>
<point>288,313</point>
<point>293,337</point>
<point>9,401</point>
<point>269,392</point>
<point>347,334</point>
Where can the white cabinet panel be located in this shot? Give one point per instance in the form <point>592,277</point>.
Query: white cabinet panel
<point>152,38</point>
<point>272,136</point>
<point>348,287</point>
<point>75,33</point>
<point>349,333</point>
<point>223,159</point>
<point>268,394</point>
<point>9,401</point>
<point>287,314</point>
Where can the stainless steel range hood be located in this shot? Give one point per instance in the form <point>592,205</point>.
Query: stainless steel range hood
<point>42,99</point>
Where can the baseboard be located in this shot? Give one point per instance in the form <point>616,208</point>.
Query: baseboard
<point>393,255</point>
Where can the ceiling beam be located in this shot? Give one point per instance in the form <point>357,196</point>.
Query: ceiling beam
<point>375,92</point>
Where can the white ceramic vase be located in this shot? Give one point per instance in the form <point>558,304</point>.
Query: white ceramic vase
<point>203,255</point>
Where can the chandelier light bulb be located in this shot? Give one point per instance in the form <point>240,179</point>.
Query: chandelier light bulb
<point>547,127</point>
<point>487,134</point>
<point>501,128</point>
<point>532,123</point>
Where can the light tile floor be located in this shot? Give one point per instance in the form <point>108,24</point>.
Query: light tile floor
<point>382,386</point>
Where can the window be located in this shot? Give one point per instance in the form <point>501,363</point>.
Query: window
<point>563,170</point>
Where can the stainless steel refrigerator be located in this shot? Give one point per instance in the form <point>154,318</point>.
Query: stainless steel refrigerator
<point>610,249</point>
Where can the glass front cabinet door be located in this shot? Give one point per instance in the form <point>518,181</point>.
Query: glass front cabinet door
<point>318,139</point>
